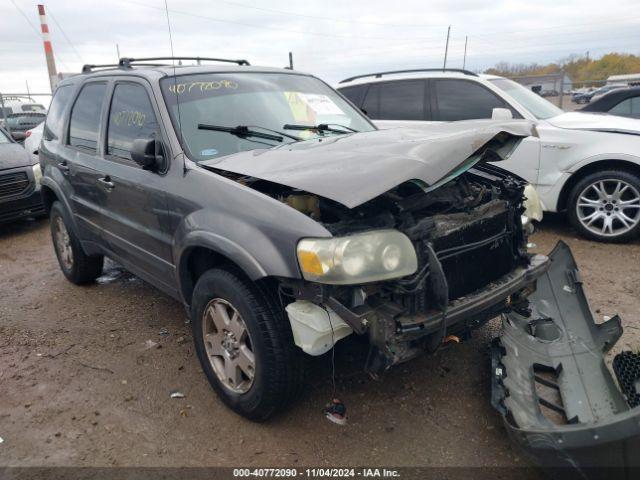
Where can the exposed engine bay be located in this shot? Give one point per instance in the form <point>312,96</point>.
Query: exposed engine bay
<point>468,238</point>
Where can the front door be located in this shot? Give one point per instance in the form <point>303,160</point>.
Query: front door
<point>135,214</point>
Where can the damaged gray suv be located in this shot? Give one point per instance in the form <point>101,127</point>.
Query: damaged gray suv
<point>284,220</point>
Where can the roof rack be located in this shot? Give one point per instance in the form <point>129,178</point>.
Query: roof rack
<point>130,62</point>
<point>88,68</point>
<point>415,70</point>
<point>127,62</point>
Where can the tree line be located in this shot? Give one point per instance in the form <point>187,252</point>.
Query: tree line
<point>580,69</point>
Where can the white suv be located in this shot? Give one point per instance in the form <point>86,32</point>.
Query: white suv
<point>587,164</point>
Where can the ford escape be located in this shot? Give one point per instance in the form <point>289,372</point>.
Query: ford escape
<point>285,221</point>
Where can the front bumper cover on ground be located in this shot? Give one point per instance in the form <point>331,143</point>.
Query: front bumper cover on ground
<point>551,384</point>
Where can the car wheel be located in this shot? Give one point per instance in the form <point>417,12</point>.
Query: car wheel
<point>605,206</point>
<point>245,345</point>
<point>77,266</point>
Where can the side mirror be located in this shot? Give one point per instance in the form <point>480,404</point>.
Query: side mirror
<point>147,152</point>
<point>501,114</point>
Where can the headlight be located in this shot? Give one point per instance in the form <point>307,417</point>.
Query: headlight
<point>359,258</point>
<point>37,174</point>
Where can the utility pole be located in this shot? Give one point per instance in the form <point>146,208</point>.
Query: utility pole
<point>48,49</point>
<point>28,94</point>
<point>118,51</point>
<point>290,60</point>
<point>464,59</point>
<point>560,100</point>
<point>446,48</point>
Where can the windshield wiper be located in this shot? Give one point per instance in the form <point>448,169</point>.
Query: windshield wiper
<point>247,131</point>
<point>323,127</point>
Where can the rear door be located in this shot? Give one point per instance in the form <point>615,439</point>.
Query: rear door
<point>398,102</point>
<point>80,158</point>
<point>135,214</point>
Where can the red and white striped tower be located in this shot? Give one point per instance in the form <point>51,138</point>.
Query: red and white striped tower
<point>48,49</point>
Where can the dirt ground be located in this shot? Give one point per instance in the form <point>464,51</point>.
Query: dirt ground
<point>79,386</point>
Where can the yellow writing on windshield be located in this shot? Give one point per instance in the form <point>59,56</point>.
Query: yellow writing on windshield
<point>180,88</point>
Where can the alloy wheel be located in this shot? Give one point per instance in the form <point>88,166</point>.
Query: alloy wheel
<point>228,345</point>
<point>63,244</point>
<point>609,207</point>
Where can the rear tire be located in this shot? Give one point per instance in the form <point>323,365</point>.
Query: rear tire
<point>77,266</point>
<point>605,206</point>
<point>253,344</point>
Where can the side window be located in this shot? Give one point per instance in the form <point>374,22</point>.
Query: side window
<point>371,101</point>
<point>354,94</point>
<point>635,107</point>
<point>464,100</point>
<point>131,116</point>
<point>623,108</point>
<point>402,100</point>
<point>85,117</point>
<point>55,117</point>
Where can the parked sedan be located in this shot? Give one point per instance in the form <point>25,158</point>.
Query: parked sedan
<point>624,103</point>
<point>587,97</point>
<point>20,176</point>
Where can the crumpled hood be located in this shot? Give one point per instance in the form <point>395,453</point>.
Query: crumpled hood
<point>353,169</point>
<point>600,122</point>
<point>13,155</point>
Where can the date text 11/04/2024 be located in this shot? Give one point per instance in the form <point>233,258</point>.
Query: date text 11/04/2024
<point>316,472</point>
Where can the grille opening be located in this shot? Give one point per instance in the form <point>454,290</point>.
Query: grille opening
<point>626,366</point>
<point>13,184</point>
<point>548,393</point>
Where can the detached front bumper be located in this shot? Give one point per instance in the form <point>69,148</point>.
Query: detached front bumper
<point>551,384</point>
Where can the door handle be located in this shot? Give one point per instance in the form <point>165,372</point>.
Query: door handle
<point>107,183</point>
<point>64,168</point>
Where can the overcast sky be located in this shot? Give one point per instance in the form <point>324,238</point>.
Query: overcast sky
<point>332,38</point>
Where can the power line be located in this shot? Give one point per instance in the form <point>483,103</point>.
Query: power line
<point>315,17</point>
<point>553,27</point>
<point>267,27</point>
<point>37,32</point>
<point>65,35</point>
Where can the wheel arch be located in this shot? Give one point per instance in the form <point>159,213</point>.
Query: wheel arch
<point>51,192</point>
<point>199,256</point>
<point>48,197</point>
<point>608,164</point>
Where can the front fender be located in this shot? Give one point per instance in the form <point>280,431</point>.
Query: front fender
<point>221,245</point>
<point>261,245</point>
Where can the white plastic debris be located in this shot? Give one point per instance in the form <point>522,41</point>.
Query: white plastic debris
<point>606,318</point>
<point>149,344</point>
<point>568,289</point>
<point>176,394</point>
<point>1,440</point>
<point>315,329</point>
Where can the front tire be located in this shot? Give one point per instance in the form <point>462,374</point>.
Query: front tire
<point>605,206</point>
<point>244,343</point>
<point>77,266</point>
